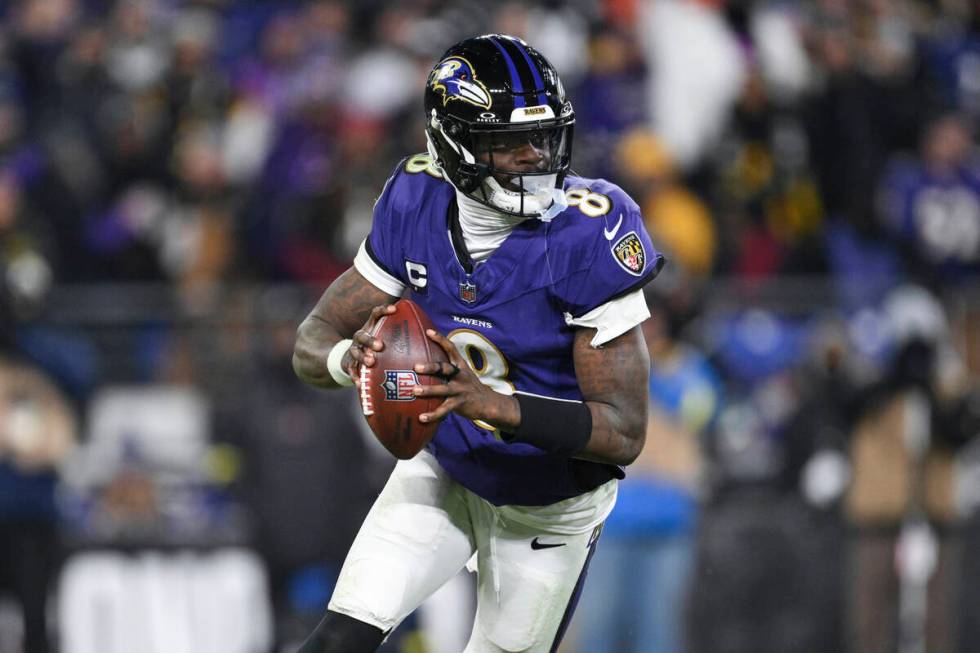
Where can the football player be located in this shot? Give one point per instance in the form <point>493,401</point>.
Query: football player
<point>533,278</point>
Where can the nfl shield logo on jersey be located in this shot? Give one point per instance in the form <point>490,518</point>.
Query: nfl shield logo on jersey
<point>467,292</point>
<point>398,385</point>
<point>629,253</point>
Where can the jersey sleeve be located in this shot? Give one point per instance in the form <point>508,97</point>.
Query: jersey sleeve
<point>379,259</point>
<point>608,258</point>
<point>375,274</point>
<point>614,318</point>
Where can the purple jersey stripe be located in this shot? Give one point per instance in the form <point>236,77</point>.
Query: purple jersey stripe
<point>515,78</point>
<point>534,71</point>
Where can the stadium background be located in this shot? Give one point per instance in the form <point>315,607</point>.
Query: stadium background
<point>179,181</point>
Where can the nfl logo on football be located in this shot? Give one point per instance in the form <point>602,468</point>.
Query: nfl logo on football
<point>398,385</point>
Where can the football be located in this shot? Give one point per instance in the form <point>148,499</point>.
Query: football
<point>389,406</point>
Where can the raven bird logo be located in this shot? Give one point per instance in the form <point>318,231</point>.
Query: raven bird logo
<point>455,79</point>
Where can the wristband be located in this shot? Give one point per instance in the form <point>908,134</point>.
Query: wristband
<point>558,426</point>
<point>334,366</point>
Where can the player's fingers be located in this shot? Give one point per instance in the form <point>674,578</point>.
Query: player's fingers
<point>438,390</point>
<point>439,413</point>
<point>365,343</point>
<point>380,311</point>
<point>370,343</point>
<point>432,368</point>
<point>356,350</point>
<point>361,356</point>
<point>354,366</point>
<point>444,369</point>
<point>447,346</point>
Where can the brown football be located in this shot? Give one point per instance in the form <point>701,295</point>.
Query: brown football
<point>389,406</point>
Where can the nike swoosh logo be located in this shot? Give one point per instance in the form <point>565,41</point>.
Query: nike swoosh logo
<point>612,234</point>
<point>537,546</point>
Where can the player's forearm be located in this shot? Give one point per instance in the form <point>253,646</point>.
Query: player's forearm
<point>590,429</point>
<point>344,307</point>
<point>617,435</point>
<point>610,425</point>
<point>315,338</point>
<point>503,413</point>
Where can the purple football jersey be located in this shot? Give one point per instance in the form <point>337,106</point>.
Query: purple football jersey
<point>508,315</point>
<point>937,215</point>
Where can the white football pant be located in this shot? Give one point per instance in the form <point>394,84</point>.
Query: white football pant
<point>424,528</point>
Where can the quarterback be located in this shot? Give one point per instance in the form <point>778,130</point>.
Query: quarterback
<point>533,278</point>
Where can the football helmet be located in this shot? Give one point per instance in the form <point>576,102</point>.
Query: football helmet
<point>491,101</point>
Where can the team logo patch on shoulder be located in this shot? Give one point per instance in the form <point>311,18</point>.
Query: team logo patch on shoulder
<point>629,253</point>
<point>455,78</point>
<point>398,385</point>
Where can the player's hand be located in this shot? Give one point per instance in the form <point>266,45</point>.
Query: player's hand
<point>363,344</point>
<point>465,394</point>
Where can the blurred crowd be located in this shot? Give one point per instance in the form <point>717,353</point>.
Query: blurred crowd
<point>198,143</point>
<point>809,168</point>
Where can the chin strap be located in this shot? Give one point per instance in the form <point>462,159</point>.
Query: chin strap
<point>559,203</point>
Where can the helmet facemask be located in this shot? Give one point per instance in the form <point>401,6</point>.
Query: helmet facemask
<point>518,169</point>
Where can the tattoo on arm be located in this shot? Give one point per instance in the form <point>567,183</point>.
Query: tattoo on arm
<point>614,380</point>
<point>347,303</point>
<point>343,308</point>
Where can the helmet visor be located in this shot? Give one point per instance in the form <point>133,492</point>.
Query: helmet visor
<point>513,154</point>
<point>524,165</point>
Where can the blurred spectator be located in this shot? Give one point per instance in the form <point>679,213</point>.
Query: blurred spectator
<point>40,31</point>
<point>637,595</point>
<point>931,204</point>
<point>558,28</point>
<point>761,549</point>
<point>385,79</point>
<point>696,69</point>
<point>678,221</point>
<point>871,96</point>
<point>815,468</point>
<point>150,501</point>
<point>142,474</point>
<point>778,48</point>
<point>304,483</point>
<point>953,49</point>
<point>196,87</point>
<point>815,463</point>
<point>37,431</point>
<point>769,209</point>
<point>610,100</point>
<point>26,274</point>
<point>901,500</point>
